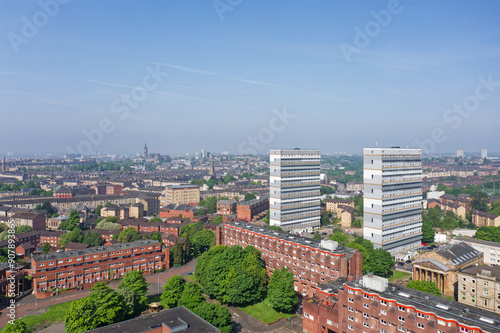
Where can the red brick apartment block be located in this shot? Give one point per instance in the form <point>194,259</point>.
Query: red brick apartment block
<point>83,268</point>
<point>176,210</point>
<point>11,275</point>
<point>312,262</point>
<point>226,207</point>
<point>371,304</point>
<point>250,209</point>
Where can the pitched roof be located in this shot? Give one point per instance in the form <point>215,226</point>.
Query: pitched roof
<point>493,271</point>
<point>77,246</point>
<point>26,216</point>
<point>458,253</point>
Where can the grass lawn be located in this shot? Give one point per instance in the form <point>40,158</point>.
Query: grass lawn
<point>264,312</point>
<point>191,278</point>
<point>398,275</point>
<point>55,314</point>
<point>157,298</point>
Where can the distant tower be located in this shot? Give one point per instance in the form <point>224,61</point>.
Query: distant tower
<point>460,153</point>
<point>248,164</point>
<point>484,153</point>
<point>211,169</point>
<point>3,164</point>
<point>145,150</point>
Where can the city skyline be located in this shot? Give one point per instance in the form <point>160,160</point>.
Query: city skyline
<point>343,75</point>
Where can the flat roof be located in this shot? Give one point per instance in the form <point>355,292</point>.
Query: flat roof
<point>93,250</point>
<point>309,242</point>
<point>178,319</point>
<point>183,186</point>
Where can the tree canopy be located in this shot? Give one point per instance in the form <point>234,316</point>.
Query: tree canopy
<point>280,292</point>
<point>210,204</point>
<point>128,235</point>
<point>425,286</point>
<point>340,237</point>
<point>72,222</point>
<point>75,236</point>
<point>172,290</point>
<point>249,196</point>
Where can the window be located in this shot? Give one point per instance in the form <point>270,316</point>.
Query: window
<point>350,309</point>
<point>485,292</point>
<point>350,300</point>
<point>383,312</point>
<point>401,319</point>
<point>473,289</point>
<point>463,329</point>
<point>366,324</point>
<point>366,296</point>
<point>383,302</point>
<point>350,318</point>
<point>401,328</point>
<point>401,308</point>
<point>441,322</point>
<point>464,279</point>
<point>329,322</point>
<point>383,322</point>
<point>366,315</point>
<point>366,306</point>
<point>485,302</point>
<point>420,315</point>
<point>485,284</point>
<point>419,325</point>
<point>350,327</point>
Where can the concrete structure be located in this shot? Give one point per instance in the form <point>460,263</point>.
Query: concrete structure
<point>177,319</point>
<point>295,189</point>
<point>442,266</point>
<point>490,250</point>
<point>460,153</point>
<point>479,286</point>
<point>392,198</point>
<point>372,305</point>
<point>484,153</point>
<point>82,268</point>
<point>312,262</point>
<point>182,194</point>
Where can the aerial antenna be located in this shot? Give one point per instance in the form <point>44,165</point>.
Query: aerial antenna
<point>376,144</point>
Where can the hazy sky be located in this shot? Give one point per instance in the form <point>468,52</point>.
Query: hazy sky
<point>247,76</point>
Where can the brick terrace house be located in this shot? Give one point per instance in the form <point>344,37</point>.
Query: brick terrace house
<point>82,268</point>
<point>250,210</point>
<point>6,274</point>
<point>226,207</point>
<point>176,210</point>
<point>461,201</point>
<point>36,221</point>
<point>371,304</point>
<point>312,262</point>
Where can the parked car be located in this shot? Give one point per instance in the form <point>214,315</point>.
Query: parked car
<point>408,261</point>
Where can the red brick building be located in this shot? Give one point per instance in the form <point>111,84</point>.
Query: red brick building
<point>252,209</point>
<point>226,207</point>
<point>11,276</point>
<point>142,225</point>
<point>312,262</point>
<point>83,268</point>
<point>113,189</point>
<point>176,210</point>
<point>34,220</point>
<point>51,237</point>
<point>372,305</point>
<point>447,199</point>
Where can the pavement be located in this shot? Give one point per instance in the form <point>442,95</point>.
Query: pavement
<point>243,323</point>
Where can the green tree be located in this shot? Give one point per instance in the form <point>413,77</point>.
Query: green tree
<point>202,241</point>
<point>93,239</point>
<point>201,212</point>
<point>210,204</point>
<point>425,286</point>
<point>172,291</point>
<point>19,326</point>
<point>128,235</point>
<point>317,236</point>
<point>98,210</point>
<point>131,300</point>
<point>72,222</point>
<point>75,236</point>
<point>228,178</point>
<point>217,315</point>
<point>325,218</point>
<point>156,236</point>
<point>135,280</point>
<point>177,253</point>
<point>21,229</point>
<point>379,262</point>
<point>217,219</point>
<point>340,237</point>
<point>155,219</point>
<point>249,196</point>
<point>427,232</point>
<point>280,293</point>
<point>358,223</point>
<point>191,296</point>
<point>113,219</point>
<point>46,247</point>
<point>108,225</point>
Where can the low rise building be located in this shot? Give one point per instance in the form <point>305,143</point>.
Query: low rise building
<point>226,207</point>
<point>455,209</point>
<point>442,266</point>
<point>253,209</point>
<point>371,304</point>
<point>490,250</point>
<point>82,268</point>
<point>36,221</point>
<point>332,205</point>
<point>482,219</point>
<point>479,286</point>
<point>312,262</point>
<point>151,206</point>
<point>182,194</point>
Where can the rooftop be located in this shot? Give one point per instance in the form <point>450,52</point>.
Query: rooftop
<point>93,250</point>
<point>178,319</point>
<point>458,253</point>
<point>493,271</point>
<point>306,242</point>
<point>175,187</point>
<point>478,241</point>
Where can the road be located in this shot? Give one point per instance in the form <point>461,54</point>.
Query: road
<point>28,304</point>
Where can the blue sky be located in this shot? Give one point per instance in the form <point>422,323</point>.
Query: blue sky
<point>224,80</point>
